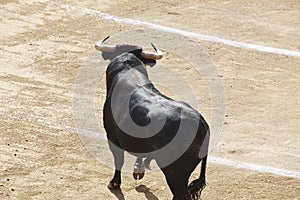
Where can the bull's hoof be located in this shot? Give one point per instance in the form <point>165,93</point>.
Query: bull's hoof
<point>138,170</point>
<point>138,176</point>
<point>112,185</point>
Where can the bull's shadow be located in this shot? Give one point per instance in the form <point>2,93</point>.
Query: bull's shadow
<point>118,193</point>
<point>141,189</point>
<point>144,189</point>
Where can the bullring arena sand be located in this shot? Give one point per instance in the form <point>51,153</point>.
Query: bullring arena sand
<point>44,44</point>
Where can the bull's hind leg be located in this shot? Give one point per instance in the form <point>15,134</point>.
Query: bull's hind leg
<point>177,180</point>
<point>118,161</point>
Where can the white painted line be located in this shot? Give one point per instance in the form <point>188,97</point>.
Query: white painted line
<point>254,167</point>
<point>96,135</point>
<point>203,37</point>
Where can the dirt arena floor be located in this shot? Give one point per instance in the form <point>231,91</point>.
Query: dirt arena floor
<point>44,44</point>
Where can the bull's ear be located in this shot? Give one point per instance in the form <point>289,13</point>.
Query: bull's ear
<point>149,62</point>
<point>108,56</point>
<point>146,61</point>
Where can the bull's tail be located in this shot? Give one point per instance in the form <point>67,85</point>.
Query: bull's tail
<point>195,188</point>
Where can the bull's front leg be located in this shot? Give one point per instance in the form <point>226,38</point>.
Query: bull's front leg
<point>138,169</point>
<point>118,154</point>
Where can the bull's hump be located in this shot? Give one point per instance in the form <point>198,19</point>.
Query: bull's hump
<point>133,78</point>
<point>157,106</point>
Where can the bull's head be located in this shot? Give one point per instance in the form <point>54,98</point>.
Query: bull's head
<point>110,51</point>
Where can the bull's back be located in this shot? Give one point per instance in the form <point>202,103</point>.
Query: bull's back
<point>147,108</point>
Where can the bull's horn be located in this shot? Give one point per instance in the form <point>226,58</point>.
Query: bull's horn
<point>154,56</point>
<point>105,48</point>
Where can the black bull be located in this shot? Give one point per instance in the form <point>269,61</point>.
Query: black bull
<point>131,97</point>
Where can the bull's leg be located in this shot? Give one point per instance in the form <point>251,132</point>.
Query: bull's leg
<point>147,163</point>
<point>118,161</point>
<point>138,169</point>
<point>178,183</point>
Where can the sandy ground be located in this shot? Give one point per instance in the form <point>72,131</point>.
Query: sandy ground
<point>44,45</point>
